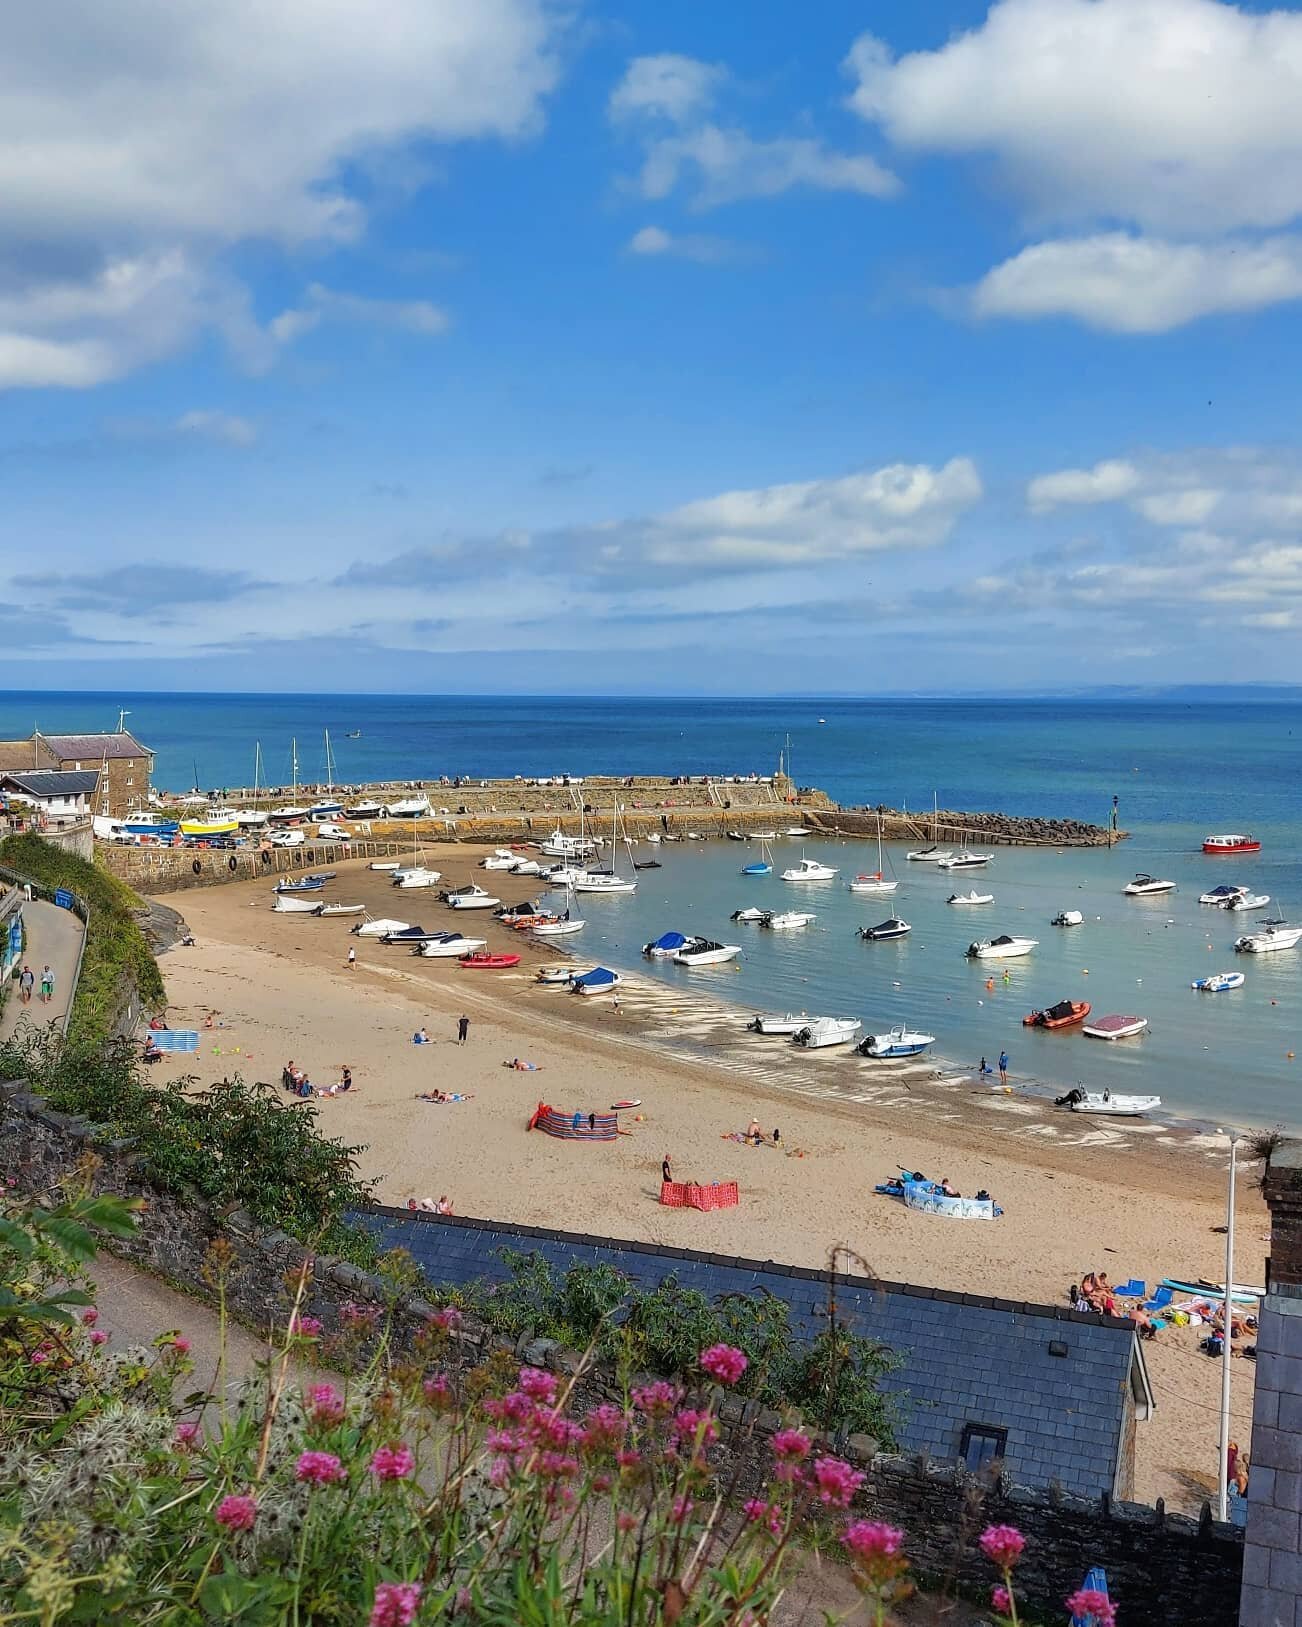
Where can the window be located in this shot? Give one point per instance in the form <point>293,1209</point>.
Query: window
<point>983,1444</point>
<point>130,781</point>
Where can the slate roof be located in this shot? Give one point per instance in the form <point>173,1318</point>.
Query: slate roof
<point>54,782</point>
<point>78,748</point>
<point>966,1358</point>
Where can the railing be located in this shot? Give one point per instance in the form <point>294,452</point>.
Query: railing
<point>79,907</point>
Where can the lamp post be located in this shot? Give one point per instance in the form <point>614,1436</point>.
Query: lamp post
<point>1222,1475</point>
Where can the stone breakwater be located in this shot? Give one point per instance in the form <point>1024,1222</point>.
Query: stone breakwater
<point>951,829</point>
<point>1161,1567</point>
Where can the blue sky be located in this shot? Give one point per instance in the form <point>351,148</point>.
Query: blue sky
<point>466,344</point>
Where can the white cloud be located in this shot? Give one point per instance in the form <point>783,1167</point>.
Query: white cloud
<point>666,86</point>
<point>417,316</point>
<point>1182,508</point>
<point>655,241</point>
<point>730,165</point>
<point>226,427</point>
<point>1131,284</point>
<point>1179,115</point>
<point>1104,483</point>
<point>141,143</point>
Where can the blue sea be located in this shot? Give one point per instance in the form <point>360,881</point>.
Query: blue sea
<point>1180,768</point>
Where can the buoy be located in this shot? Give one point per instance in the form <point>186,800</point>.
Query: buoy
<point>1084,971</point>
<point>1289,1055</point>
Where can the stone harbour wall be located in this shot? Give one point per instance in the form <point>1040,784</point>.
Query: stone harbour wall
<point>1160,1567</point>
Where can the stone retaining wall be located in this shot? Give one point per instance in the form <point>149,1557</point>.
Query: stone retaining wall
<point>173,869</point>
<point>1160,1567</point>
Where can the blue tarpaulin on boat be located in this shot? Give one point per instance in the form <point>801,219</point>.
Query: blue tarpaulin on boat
<point>598,978</point>
<point>668,940</point>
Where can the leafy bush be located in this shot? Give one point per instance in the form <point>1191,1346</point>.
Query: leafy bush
<point>116,948</point>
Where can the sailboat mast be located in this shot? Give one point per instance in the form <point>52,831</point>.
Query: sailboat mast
<point>293,758</point>
<point>257,771</point>
<point>330,767</point>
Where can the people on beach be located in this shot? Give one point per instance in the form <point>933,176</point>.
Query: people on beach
<point>352,959</point>
<point>463,1030</point>
<point>26,983</point>
<point>666,1169</point>
<point>1003,1067</point>
<point>777,1137</point>
<point>984,1069</point>
<point>443,1096</point>
<point>47,984</point>
<point>420,1037</point>
<point>151,1051</point>
<point>523,1067</point>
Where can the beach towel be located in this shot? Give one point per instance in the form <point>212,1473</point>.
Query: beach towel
<point>175,1039</point>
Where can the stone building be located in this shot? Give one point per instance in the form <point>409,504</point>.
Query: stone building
<point>124,766</point>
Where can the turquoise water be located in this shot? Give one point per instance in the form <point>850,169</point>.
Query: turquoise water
<point>1180,769</point>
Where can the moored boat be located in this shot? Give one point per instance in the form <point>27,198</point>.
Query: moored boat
<point>417,876</point>
<point>1001,948</point>
<point>752,913</point>
<point>786,920</point>
<point>705,952</point>
<point>764,1023</point>
<point>896,1042</point>
<point>1116,1025</point>
<point>809,870</point>
<point>1249,901</point>
<point>964,861</point>
<point>1107,1105</point>
<point>471,898</point>
<point>884,931</point>
<point>1066,1014</point>
<point>1273,936</point>
<point>600,980</point>
<point>1231,844</point>
<point>824,1031</point>
<point>931,855</point>
<point>1067,918</point>
<point>1219,982</point>
<point>665,947</point>
<point>1222,895</point>
<point>1144,886</point>
<point>973,897</point>
<point>562,927</point>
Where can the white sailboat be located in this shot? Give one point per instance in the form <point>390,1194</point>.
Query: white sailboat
<point>416,874</point>
<point>934,853</point>
<point>598,881</point>
<point>253,818</point>
<point>291,810</point>
<point>876,882</point>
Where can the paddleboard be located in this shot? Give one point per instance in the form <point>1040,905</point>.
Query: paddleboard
<point>618,1107</point>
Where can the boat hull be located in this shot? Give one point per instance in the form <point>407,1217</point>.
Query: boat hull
<point>1231,844</point>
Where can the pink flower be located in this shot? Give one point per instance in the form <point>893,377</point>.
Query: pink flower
<point>90,1316</point>
<point>724,1362</point>
<point>40,1356</point>
<point>187,1433</point>
<point>395,1604</point>
<point>353,1315</point>
<point>695,1426</point>
<point>1094,1607</point>
<point>1001,1600</point>
<point>237,1512</point>
<point>871,1539</point>
<point>837,1482</point>
<point>306,1327</point>
<point>791,1445</point>
<point>757,1511</point>
<point>327,1405</point>
<point>438,1392</point>
<point>447,1319</point>
<point>603,1429</point>
<point>536,1384</point>
<point>98,1336</point>
<point>661,1397</point>
<point>681,1510</point>
<point>393,1462</point>
<point>626,1522</point>
<point>320,1469</point>
<point>181,1345</point>
<point>1002,1545</point>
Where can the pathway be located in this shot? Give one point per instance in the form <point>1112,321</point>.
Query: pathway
<point>53,936</point>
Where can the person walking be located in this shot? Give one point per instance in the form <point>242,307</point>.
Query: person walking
<point>25,985</point>
<point>47,984</point>
<point>1003,1067</point>
<point>352,959</point>
<point>463,1030</point>
<point>666,1172</point>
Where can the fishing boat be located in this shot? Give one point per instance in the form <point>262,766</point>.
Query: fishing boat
<point>1001,948</point>
<point>286,905</point>
<point>1066,1014</point>
<point>1106,1105</point>
<point>471,898</point>
<point>560,846</point>
<point>751,914</point>
<point>896,1042</point>
<point>554,977</point>
<point>1249,901</point>
<point>341,909</point>
<point>809,870</point>
<point>1274,935</point>
<point>973,897</point>
<point>1144,886</point>
<point>825,1031</point>
<point>705,952</point>
<point>195,830</point>
<point>451,947</point>
<point>763,866</point>
<point>1067,918</point>
<point>417,876</point>
<point>378,928</point>
<point>481,962</point>
<point>892,927</point>
<point>1219,982</point>
<point>786,920</point>
<point>139,823</point>
<point>304,884</point>
<point>1115,1026</point>
<point>665,947</point>
<point>964,861</point>
<point>600,980</point>
<point>1222,895</point>
<point>1231,844</point>
<point>875,881</point>
<point>787,1024</point>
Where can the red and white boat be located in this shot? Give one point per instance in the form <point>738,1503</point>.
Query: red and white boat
<point>1231,844</point>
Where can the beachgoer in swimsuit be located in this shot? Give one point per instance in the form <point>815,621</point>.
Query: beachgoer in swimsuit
<point>1003,1067</point>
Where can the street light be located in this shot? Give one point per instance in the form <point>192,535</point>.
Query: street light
<point>1223,1472</point>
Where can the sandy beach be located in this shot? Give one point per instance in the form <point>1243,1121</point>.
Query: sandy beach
<point>1138,1200</point>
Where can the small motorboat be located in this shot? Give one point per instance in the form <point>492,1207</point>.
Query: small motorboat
<point>527,867</point>
<point>1068,918</point>
<point>1273,936</point>
<point>1219,982</point>
<point>471,898</point>
<point>381,928</point>
<point>1066,1014</point>
<point>1145,886</point>
<point>896,1042</point>
<point>809,870</point>
<point>510,914</point>
<point>666,946</point>
<point>1001,948</point>
<point>786,920</point>
<point>873,883</point>
<point>654,836</point>
<point>973,897</point>
<point>341,909</point>
<point>500,858</point>
<point>410,935</point>
<point>754,913</point>
<point>366,810</point>
<point>931,855</point>
<point>1249,901</point>
<point>736,836</point>
<point>1115,1026</point>
<point>705,952</point>
<point>647,864</point>
<point>757,836</point>
<point>555,977</point>
<point>826,1031</point>
<point>1222,895</point>
<point>384,864</point>
<point>417,876</point>
<point>600,980</point>
<point>797,830</point>
<point>787,1024</point>
<point>1106,1105</point>
<point>321,876</point>
<point>1231,844</point>
<point>285,904</point>
<point>305,884</point>
<point>964,861</point>
<point>561,927</point>
<point>481,962</point>
<point>893,927</point>
<point>451,947</point>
